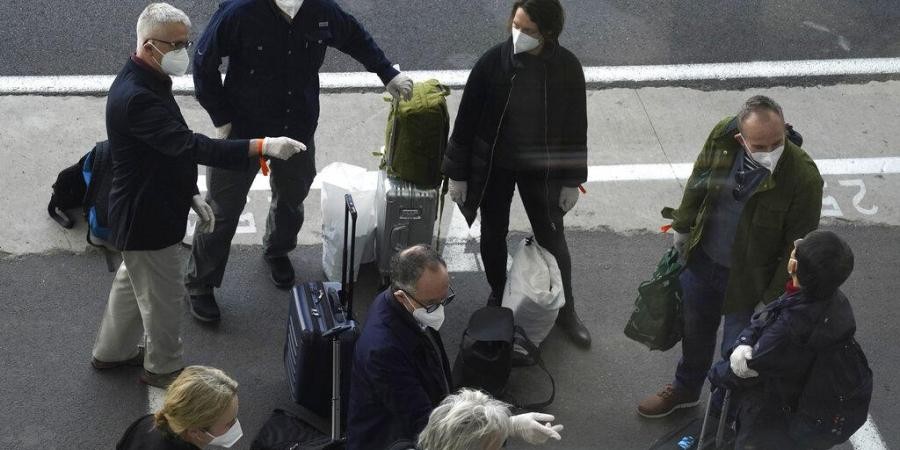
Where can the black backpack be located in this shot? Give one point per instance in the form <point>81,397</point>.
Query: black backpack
<point>86,185</point>
<point>485,355</point>
<point>835,399</point>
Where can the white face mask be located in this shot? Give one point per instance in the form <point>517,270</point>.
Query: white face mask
<point>768,159</point>
<point>229,437</point>
<point>434,319</point>
<point>290,7</point>
<point>523,42</point>
<point>174,63</point>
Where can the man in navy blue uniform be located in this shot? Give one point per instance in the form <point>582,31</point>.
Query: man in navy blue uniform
<point>274,49</point>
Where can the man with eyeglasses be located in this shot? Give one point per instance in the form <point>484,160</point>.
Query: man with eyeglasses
<point>154,184</point>
<point>400,369</point>
<point>274,50</point>
<point>752,192</point>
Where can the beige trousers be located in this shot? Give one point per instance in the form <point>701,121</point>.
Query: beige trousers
<point>146,299</point>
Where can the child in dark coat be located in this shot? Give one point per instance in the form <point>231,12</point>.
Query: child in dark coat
<point>771,359</point>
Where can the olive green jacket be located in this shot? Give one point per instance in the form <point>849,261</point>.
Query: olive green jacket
<point>786,206</point>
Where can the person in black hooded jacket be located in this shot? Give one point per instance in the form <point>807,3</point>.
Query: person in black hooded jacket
<point>522,123</point>
<point>771,359</point>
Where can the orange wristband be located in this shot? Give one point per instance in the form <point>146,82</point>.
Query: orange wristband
<point>262,161</point>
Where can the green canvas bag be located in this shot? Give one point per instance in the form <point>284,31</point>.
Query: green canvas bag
<point>657,319</point>
<point>416,135</point>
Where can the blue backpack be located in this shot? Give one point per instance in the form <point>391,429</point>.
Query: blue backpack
<point>86,185</point>
<point>97,174</point>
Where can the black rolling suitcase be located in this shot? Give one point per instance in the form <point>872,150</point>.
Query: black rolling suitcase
<point>286,431</point>
<point>322,312</point>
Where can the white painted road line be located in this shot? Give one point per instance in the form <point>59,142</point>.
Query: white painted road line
<point>868,437</point>
<point>155,399</point>
<point>680,171</point>
<point>99,84</point>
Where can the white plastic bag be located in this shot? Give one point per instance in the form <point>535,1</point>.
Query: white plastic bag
<point>534,290</point>
<point>338,179</point>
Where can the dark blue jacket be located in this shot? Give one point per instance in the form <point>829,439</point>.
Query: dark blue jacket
<point>785,337</point>
<point>398,377</point>
<point>154,160</point>
<point>272,82</point>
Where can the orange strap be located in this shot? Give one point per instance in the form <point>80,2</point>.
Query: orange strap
<point>262,161</point>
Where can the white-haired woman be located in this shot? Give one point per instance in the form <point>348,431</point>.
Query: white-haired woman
<point>471,419</point>
<point>200,409</point>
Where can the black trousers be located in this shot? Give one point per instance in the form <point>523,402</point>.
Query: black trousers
<point>541,200</point>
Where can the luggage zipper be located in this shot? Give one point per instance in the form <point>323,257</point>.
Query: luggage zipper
<point>496,137</point>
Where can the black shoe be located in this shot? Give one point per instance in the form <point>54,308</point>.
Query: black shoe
<point>135,361</point>
<point>282,271</point>
<point>569,322</point>
<point>160,380</point>
<point>204,308</point>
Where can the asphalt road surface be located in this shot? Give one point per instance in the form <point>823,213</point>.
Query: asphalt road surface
<point>45,37</point>
<point>52,305</point>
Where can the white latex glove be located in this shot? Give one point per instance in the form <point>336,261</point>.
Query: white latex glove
<point>528,427</point>
<point>679,240</point>
<point>739,358</point>
<point>223,131</point>
<point>282,147</point>
<point>568,196</point>
<point>458,190</point>
<point>401,86</point>
<point>205,213</point>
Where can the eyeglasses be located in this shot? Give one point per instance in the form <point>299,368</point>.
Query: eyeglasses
<point>176,45</point>
<point>434,306</point>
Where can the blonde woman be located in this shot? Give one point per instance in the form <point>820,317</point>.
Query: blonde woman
<point>200,409</point>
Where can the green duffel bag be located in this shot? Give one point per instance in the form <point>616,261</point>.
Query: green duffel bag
<point>416,135</point>
<point>657,320</point>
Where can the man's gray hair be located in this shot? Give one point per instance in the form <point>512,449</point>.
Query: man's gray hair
<point>756,104</point>
<point>466,420</point>
<point>408,265</point>
<point>155,16</point>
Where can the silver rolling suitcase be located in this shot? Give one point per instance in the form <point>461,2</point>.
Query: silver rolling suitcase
<point>405,215</point>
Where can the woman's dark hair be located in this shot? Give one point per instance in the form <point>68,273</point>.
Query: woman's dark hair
<point>824,262</point>
<point>547,14</point>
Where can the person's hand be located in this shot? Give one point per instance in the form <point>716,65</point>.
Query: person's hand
<point>458,191</point>
<point>223,131</point>
<point>568,196</point>
<point>205,213</point>
<point>678,240</point>
<point>401,86</point>
<point>739,357</point>
<point>282,147</point>
<point>528,427</point>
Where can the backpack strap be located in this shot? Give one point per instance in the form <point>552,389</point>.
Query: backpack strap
<point>107,254</point>
<point>522,339</point>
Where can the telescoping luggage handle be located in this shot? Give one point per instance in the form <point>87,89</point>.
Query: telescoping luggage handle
<point>347,274</point>
<point>334,333</point>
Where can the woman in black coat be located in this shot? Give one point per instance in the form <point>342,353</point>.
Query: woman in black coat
<point>522,123</point>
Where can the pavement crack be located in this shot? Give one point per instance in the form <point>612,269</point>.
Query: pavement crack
<point>658,140</point>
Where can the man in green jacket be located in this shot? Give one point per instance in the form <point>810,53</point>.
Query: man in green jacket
<point>752,192</point>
